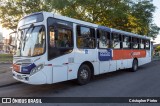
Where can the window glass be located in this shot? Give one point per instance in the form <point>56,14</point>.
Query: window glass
<point>135,43</point>
<point>59,44</point>
<point>52,37</point>
<point>64,38</point>
<point>126,42</point>
<point>85,37</point>
<point>147,43</point>
<point>31,43</point>
<point>116,40</point>
<point>31,19</point>
<point>103,39</point>
<point>85,32</point>
<point>142,42</point>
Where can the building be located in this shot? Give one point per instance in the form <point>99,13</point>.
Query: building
<point>6,48</point>
<point>155,52</point>
<point>1,42</point>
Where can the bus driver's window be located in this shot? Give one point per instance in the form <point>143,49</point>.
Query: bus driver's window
<point>52,40</point>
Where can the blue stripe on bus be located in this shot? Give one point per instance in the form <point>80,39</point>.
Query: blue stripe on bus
<point>27,69</point>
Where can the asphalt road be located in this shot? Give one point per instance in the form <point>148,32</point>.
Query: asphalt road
<point>123,83</point>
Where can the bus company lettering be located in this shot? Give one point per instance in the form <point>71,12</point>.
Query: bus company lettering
<point>105,55</point>
<point>135,53</point>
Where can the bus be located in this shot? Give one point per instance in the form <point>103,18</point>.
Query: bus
<point>51,48</point>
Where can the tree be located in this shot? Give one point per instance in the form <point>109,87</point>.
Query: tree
<point>1,37</point>
<point>158,48</point>
<point>143,11</point>
<point>11,11</point>
<point>126,15</point>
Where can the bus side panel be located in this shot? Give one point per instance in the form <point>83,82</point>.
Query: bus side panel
<point>120,64</point>
<point>129,62</point>
<point>72,71</point>
<point>113,65</point>
<point>61,67</point>
<point>90,55</point>
<point>127,58</point>
<point>48,73</point>
<point>96,68</point>
<point>59,73</point>
<point>118,56</point>
<point>104,66</point>
<point>104,56</point>
<point>142,61</point>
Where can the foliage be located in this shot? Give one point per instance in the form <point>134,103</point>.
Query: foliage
<point>125,15</point>
<point>11,11</point>
<point>6,58</point>
<point>158,48</point>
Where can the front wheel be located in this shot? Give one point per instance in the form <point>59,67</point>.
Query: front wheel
<point>135,65</point>
<point>84,74</point>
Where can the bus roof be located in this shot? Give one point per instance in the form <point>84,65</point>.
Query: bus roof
<point>104,28</point>
<point>90,24</point>
<point>129,33</point>
<point>75,20</point>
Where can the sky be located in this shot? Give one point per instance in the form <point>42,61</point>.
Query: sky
<point>156,18</point>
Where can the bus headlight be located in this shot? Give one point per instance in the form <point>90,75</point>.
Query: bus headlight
<point>36,69</point>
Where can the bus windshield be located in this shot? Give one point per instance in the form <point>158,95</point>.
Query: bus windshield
<point>30,41</point>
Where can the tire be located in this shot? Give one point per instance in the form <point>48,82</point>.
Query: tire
<point>84,74</point>
<point>134,65</point>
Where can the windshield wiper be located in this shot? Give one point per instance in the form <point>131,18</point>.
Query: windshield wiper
<point>25,36</point>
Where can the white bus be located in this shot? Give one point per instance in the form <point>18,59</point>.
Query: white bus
<point>51,48</point>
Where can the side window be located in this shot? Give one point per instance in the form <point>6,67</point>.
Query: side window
<point>104,38</point>
<point>52,37</point>
<point>116,40</point>
<point>59,44</point>
<point>135,43</point>
<point>85,37</point>
<point>147,44</point>
<point>64,38</point>
<point>142,42</point>
<point>126,42</point>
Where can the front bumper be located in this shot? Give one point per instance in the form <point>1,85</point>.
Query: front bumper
<point>35,79</point>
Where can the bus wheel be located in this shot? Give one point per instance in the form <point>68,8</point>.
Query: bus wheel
<point>84,74</point>
<point>135,65</point>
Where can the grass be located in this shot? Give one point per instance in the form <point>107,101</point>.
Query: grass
<point>6,58</point>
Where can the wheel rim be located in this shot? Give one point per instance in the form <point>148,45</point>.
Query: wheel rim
<point>84,74</point>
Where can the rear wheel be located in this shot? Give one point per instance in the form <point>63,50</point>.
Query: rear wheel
<point>135,65</point>
<point>84,74</point>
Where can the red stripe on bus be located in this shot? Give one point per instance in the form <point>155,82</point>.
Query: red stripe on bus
<point>128,54</point>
